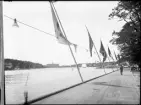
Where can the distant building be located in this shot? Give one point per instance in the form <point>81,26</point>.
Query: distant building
<point>52,65</point>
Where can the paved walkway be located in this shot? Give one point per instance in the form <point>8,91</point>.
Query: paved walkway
<point>109,89</point>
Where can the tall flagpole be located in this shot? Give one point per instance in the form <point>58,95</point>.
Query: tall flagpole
<point>2,77</point>
<point>109,57</point>
<point>99,58</point>
<point>103,62</point>
<point>115,58</point>
<point>110,61</point>
<point>96,52</point>
<point>95,48</point>
<point>68,44</point>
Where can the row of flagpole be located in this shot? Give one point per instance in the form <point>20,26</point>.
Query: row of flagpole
<point>61,37</point>
<point>15,24</point>
<point>75,45</point>
<point>91,44</point>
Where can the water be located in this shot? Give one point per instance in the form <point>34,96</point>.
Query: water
<point>39,82</point>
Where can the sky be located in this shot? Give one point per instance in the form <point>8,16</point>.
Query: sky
<point>28,44</point>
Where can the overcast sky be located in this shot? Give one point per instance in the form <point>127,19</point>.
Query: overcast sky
<point>25,43</point>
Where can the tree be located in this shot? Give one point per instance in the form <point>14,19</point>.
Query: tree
<point>21,64</point>
<point>128,38</point>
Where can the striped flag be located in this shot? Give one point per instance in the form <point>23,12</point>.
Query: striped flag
<point>59,34</point>
<point>90,43</point>
<point>103,52</point>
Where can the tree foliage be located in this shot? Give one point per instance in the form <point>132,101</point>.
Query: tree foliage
<point>128,38</point>
<point>21,64</point>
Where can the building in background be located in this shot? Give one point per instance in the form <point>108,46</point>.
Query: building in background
<point>52,65</point>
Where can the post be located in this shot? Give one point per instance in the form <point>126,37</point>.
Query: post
<point>26,98</point>
<point>116,59</point>
<point>113,60</point>
<point>115,63</point>
<point>26,92</point>
<point>2,77</point>
<point>109,53</point>
<point>97,52</point>
<point>99,58</point>
<point>68,44</point>
<point>109,61</point>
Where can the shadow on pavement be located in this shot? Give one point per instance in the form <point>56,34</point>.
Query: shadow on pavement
<point>126,75</point>
<point>106,84</point>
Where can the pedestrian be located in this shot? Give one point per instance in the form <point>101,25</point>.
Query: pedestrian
<point>121,69</point>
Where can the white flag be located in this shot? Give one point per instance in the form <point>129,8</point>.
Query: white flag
<point>59,35</point>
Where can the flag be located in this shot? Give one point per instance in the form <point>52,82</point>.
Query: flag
<point>109,52</point>
<point>59,34</point>
<point>60,37</point>
<point>103,52</point>
<point>90,43</point>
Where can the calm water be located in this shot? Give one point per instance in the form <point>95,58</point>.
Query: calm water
<point>40,82</point>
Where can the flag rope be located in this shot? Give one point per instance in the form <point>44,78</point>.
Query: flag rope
<point>109,56</point>
<point>38,29</point>
<point>30,26</point>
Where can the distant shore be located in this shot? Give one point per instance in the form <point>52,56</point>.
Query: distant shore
<point>58,67</point>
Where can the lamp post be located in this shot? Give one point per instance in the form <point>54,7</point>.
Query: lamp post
<point>2,74</point>
<point>2,77</point>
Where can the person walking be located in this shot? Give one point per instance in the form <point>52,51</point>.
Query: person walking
<point>121,69</point>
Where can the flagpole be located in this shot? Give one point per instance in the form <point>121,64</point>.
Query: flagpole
<point>110,61</point>
<point>115,63</point>
<point>96,51</point>
<point>95,48</point>
<point>115,57</point>
<point>2,77</point>
<point>109,58</point>
<point>99,58</point>
<point>68,43</point>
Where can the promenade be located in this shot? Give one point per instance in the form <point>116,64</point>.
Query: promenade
<point>109,89</point>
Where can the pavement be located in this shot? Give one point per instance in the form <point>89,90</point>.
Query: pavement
<point>109,89</point>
